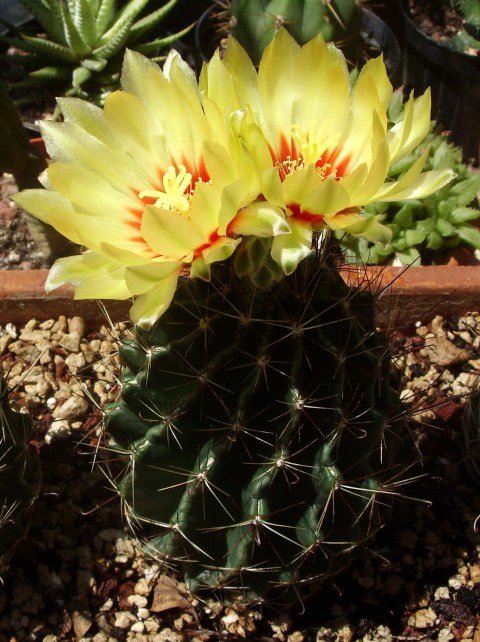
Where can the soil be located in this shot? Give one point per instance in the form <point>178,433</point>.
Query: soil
<point>17,249</point>
<point>436,18</point>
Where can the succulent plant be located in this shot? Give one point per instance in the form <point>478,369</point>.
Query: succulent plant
<point>85,41</point>
<point>254,22</point>
<point>424,231</point>
<point>18,474</point>
<point>264,431</point>
<point>468,39</point>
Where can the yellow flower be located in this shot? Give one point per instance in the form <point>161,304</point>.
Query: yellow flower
<point>322,148</point>
<point>172,173</point>
<point>147,185</point>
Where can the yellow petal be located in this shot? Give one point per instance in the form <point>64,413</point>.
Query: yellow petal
<point>408,133</point>
<point>143,278</point>
<point>50,207</point>
<point>313,194</point>
<point>289,249</point>
<point>150,306</point>
<point>261,219</point>
<point>278,86</point>
<point>317,67</point>
<point>423,185</point>
<point>91,275</point>
<point>170,234</point>
<point>222,249</point>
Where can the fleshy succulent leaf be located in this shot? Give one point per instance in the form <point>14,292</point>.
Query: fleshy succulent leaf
<point>82,31</point>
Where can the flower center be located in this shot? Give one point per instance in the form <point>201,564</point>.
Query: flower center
<point>288,166</point>
<point>293,157</point>
<point>177,191</point>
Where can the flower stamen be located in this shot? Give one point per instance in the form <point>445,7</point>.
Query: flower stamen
<point>177,191</point>
<point>289,166</point>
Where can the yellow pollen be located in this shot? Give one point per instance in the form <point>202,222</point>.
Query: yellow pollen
<point>174,185</point>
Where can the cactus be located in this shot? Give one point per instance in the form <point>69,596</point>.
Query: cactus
<point>254,22</point>
<point>263,429</point>
<point>86,39</point>
<point>469,38</point>
<point>18,474</point>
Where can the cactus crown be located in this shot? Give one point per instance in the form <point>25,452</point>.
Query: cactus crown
<point>254,22</point>
<point>85,40</point>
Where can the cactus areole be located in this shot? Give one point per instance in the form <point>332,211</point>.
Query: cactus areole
<point>259,421</point>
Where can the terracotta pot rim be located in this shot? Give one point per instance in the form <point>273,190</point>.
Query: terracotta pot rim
<point>405,296</point>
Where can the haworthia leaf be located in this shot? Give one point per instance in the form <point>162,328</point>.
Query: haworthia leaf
<point>72,35</point>
<point>145,24</point>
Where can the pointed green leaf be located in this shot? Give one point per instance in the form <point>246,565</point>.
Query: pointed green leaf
<point>434,241</point>
<point>462,214</point>
<point>72,35</point>
<point>85,22</point>
<point>51,73</point>
<point>116,41</point>
<point>49,16</point>
<point>404,217</point>
<point>156,46</point>
<point>409,257</point>
<point>105,16</point>
<point>80,76</point>
<point>144,25</point>
<point>49,48</point>
<point>470,235</point>
<point>116,36</point>
<point>466,190</point>
<point>445,228</point>
<point>414,237</point>
<point>94,65</point>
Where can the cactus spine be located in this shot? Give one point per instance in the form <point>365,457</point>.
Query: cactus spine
<point>262,432</point>
<point>18,474</point>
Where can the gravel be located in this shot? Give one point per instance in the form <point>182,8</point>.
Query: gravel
<point>79,576</point>
<point>17,249</point>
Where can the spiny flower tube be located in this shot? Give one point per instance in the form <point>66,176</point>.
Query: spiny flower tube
<point>171,175</point>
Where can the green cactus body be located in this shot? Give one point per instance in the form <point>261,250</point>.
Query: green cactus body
<point>254,22</point>
<point>261,430</point>
<point>468,38</point>
<point>18,474</point>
